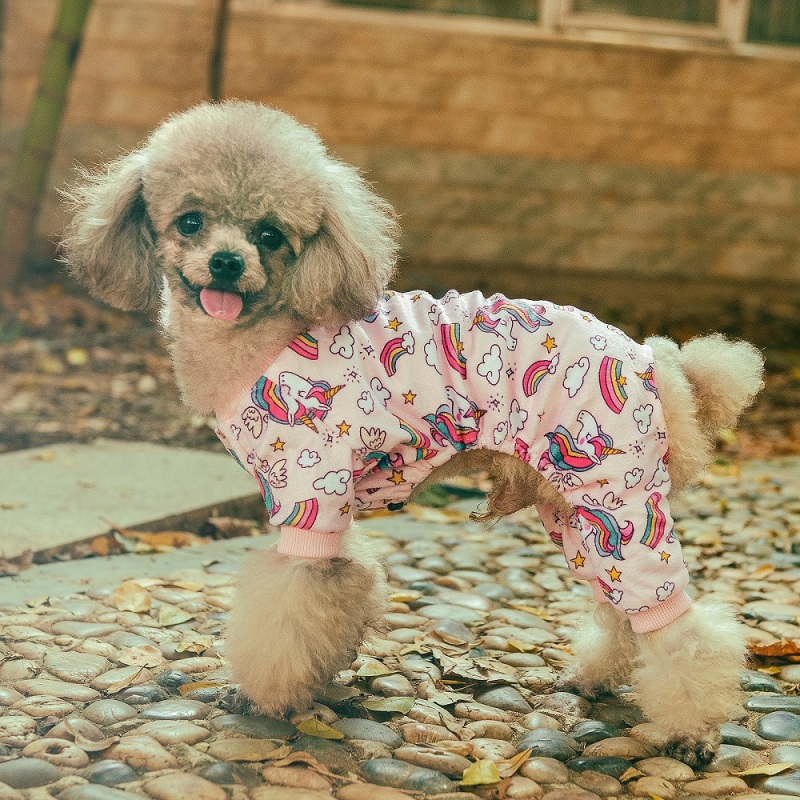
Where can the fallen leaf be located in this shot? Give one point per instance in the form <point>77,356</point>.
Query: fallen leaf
<point>197,645</point>
<point>124,683</point>
<point>314,727</point>
<point>509,766</point>
<point>784,647</point>
<point>185,688</point>
<point>630,774</point>
<point>761,572</point>
<point>481,773</point>
<point>132,596</point>
<point>766,769</point>
<point>373,670</point>
<point>173,615</point>
<point>520,647</point>
<point>145,655</point>
<point>400,705</point>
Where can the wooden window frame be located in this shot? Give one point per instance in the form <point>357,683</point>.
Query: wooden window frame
<point>730,29</point>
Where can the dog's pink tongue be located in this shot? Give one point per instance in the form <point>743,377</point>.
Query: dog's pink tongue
<point>221,305</point>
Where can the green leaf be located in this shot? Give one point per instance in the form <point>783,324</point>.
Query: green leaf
<point>480,773</point>
<point>314,727</point>
<point>400,705</point>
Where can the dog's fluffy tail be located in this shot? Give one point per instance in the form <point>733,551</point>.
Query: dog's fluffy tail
<point>704,387</point>
<point>725,376</point>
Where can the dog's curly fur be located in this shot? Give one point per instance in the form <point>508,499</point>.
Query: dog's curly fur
<point>297,621</point>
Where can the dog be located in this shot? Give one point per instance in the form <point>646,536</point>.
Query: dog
<point>270,261</point>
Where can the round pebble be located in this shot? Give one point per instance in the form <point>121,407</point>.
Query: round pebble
<point>591,731</point>
<point>176,709</point>
<point>652,786</point>
<point>75,667</point>
<point>772,702</point>
<point>451,764</point>
<point>549,743</point>
<point>369,730</point>
<point>169,732</point>
<point>27,773</point>
<point>109,772</point>
<point>402,775</point>
<point>180,785</point>
<point>257,727</point>
<point>779,726</point>
<point>59,752</point>
<point>608,765</point>
<point>107,712</point>
<point>506,698</point>
<point>545,770</point>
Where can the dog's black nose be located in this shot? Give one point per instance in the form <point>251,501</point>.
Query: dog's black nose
<point>226,266</point>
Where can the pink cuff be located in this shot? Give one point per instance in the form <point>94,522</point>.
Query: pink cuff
<point>309,544</point>
<point>661,615</point>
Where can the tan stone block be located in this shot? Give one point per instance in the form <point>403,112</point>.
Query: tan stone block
<point>747,259</point>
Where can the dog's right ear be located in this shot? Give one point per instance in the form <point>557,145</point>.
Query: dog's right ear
<point>110,245</point>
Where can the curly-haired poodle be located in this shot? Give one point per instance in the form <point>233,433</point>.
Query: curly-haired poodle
<point>271,261</point>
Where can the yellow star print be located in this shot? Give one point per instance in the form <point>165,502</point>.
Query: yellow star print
<point>409,397</point>
<point>614,574</point>
<point>394,324</point>
<point>344,428</point>
<point>549,343</point>
<point>397,477</point>
<point>579,560</point>
<point>277,445</point>
<point>664,556</point>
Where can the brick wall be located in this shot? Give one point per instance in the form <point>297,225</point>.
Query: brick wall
<point>530,159</point>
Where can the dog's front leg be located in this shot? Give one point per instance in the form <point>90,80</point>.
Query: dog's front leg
<point>296,622</point>
<point>605,647</point>
<point>688,676</point>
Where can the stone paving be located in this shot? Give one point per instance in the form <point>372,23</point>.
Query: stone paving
<point>121,689</point>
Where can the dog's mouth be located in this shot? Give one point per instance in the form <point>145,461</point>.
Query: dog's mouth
<point>223,303</point>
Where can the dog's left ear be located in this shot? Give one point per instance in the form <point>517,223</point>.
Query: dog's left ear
<point>346,266</point>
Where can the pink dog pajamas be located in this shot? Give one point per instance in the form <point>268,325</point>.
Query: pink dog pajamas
<point>354,418</point>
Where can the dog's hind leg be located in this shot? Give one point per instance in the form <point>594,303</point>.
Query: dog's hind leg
<point>296,622</point>
<point>687,678</point>
<point>604,646</point>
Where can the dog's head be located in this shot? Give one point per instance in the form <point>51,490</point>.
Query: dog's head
<point>240,212</point>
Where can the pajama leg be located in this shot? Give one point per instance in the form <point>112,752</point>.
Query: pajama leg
<point>603,643</point>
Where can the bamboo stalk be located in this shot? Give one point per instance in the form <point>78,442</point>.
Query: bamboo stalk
<point>19,210</point>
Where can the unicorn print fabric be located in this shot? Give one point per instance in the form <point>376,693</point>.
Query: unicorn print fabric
<point>354,418</point>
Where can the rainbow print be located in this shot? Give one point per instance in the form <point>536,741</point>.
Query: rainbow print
<point>612,384</point>
<point>419,441</point>
<point>303,515</point>
<point>391,353</point>
<point>656,524</point>
<point>607,590</point>
<point>306,345</point>
<point>535,374</point>
<point>557,538</point>
<point>609,536</point>
<point>453,347</point>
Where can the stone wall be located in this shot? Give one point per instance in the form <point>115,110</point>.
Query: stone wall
<point>511,156</point>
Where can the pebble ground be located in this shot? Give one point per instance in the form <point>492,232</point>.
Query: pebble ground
<point>123,691</point>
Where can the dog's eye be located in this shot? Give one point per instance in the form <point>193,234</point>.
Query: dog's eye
<point>189,224</point>
<point>270,237</point>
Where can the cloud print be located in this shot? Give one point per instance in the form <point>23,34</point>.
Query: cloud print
<point>500,432</point>
<point>573,380</point>
<point>633,477</point>
<point>491,365</point>
<point>366,403</point>
<point>665,590</point>
<point>599,342</point>
<point>517,418</point>
<point>408,342</point>
<point>308,458</point>
<point>643,415</point>
<point>432,355</point>
<point>660,476</point>
<point>343,343</point>
<point>333,482</point>
<point>435,314</point>
<point>380,391</point>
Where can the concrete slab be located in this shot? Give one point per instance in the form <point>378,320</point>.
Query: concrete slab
<point>92,574</point>
<point>51,496</point>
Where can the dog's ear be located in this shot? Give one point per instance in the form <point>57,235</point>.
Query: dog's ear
<point>345,267</point>
<point>109,245</point>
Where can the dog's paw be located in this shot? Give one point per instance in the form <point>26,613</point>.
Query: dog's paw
<point>571,682</point>
<point>694,752</point>
<point>234,701</point>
